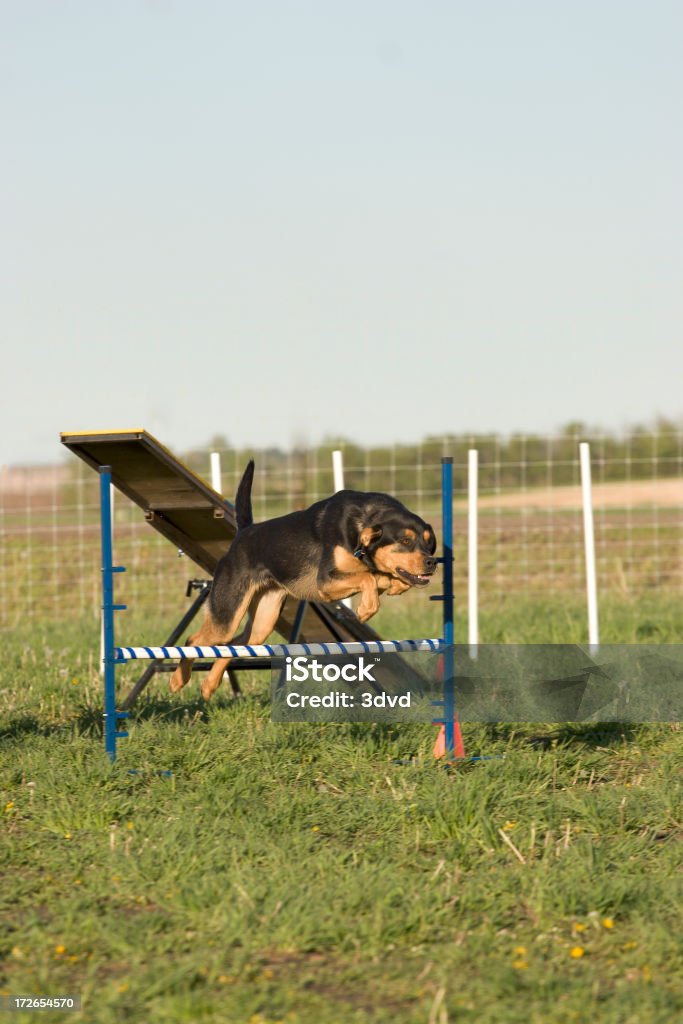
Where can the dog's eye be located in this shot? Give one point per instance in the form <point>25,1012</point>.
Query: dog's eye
<point>406,541</point>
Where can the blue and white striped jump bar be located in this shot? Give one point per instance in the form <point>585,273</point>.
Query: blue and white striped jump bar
<point>278,650</point>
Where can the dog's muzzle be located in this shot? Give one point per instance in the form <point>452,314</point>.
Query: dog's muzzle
<point>415,580</point>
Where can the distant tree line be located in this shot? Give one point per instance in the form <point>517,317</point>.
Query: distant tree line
<point>515,462</point>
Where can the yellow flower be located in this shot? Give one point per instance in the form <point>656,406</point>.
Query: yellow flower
<point>67,835</point>
<point>59,950</point>
<point>577,951</point>
<point>130,825</point>
<point>578,927</point>
<point>315,828</point>
<point>123,987</point>
<point>607,922</point>
<point>520,965</point>
<point>9,806</point>
<point>508,825</point>
<point>520,950</point>
<point>630,945</point>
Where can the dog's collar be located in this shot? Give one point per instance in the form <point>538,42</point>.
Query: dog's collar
<point>364,556</point>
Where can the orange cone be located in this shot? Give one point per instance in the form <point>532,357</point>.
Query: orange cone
<point>440,744</point>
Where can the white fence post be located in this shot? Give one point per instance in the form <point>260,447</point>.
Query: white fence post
<point>216,481</point>
<point>589,544</point>
<point>338,475</point>
<point>472,549</point>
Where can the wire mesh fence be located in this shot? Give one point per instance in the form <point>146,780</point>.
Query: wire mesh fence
<point>530,522</point>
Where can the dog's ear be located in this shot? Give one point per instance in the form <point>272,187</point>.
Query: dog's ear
<point>430,539</point>
<point>369,535</point>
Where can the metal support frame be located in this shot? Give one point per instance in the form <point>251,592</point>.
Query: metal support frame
<point>174,635</point>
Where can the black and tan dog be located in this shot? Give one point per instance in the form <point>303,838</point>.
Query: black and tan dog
<point>352,543</point>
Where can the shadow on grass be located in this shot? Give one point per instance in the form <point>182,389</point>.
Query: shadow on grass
<point>593,734</point>
<point>27,725</point>
<point>87,720</point>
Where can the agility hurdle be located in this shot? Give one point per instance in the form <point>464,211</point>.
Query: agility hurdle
<point>114,656</point>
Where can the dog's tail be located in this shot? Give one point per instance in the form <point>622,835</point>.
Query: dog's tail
<point>243,512</point>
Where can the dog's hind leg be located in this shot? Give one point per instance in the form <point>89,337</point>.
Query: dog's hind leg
<point>208,634</point>
<point>262,618</point>
<point>212,633</point>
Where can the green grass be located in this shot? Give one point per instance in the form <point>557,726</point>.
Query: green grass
<point>297,873</point>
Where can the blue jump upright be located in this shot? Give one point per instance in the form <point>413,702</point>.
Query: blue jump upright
<point>451,745</point>
<point>111,714</point>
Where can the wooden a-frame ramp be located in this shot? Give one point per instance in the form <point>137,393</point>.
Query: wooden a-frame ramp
<point>197,520</point>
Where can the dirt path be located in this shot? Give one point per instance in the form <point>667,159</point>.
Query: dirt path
<point>662,493</point>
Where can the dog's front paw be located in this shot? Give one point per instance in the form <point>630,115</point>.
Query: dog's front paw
<point>365,612</point>
<point>397,587</point>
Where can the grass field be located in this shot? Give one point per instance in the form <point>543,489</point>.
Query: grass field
<point>299,874</point>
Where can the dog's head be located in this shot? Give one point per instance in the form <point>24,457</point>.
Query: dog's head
<point>399,544</point>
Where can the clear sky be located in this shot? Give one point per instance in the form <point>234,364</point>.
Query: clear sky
<point>278,220</point>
